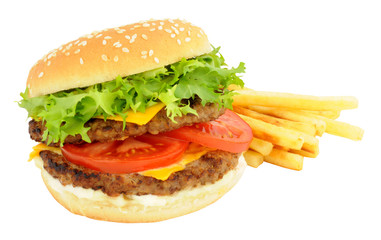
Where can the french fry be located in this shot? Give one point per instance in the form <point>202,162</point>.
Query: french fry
<point>311,144</point>
<point>295,101</point>
<point>307,128</point>
<point>343,129</point>
<point>320,125</point>
<point>328,114</point>
<point>274,134</point>
<point>253,159</point>
<point>337,128</point>
<point>305,153</point>
<point>285,159</point>
<point>261,146</point>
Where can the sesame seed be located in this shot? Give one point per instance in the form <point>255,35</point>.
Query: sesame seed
<point>117,44</point>
<point>53,54</point>
<point>104,42</point>
<point>181,29</point>
<point>41,74</point>
<point>89,36</point>
<point>104,57</point>
<point>152,29</point>
<point>83,43</point>
<point>76,42</point>
<point>116,58</point>
<point>153,24</point>
<point>162,23</point>
<point>187,39</point>
<point>99,35</point>
<point>146,24</point>
<point>48,63</point>
<point>121,31</point>
<point>150,53</point>
<point>156,59</point>
<point>171,21</point>
<point>128,37</point>
<point>81,61</point>
<point>133,38</point>
<point>173,35</point>
<point>168,30</point>
<point>176,25</point>
<point>160,27</point>
<point>144,56</point>
<point>175,29</point>
<point>179,41</point>
<point>107,37</point>
<point>144,37</point>
<point>189,33</point>
<point>67,54</point>
<point>125,50</point>
<point>77,51</point>
<point>198,35</point>
<point>144,52</point>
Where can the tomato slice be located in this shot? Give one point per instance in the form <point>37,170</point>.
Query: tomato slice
<point>229,133</point>
<point>127,156</point>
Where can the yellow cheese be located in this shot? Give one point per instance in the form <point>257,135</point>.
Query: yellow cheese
<point>139,117</point>
<point>40,147</point>
<point>194,152</point>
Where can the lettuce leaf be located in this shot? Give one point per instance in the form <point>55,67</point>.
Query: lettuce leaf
<point>65,113</point>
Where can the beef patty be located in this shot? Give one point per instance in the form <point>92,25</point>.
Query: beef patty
<point>103,131</point>
<point>208,169</point>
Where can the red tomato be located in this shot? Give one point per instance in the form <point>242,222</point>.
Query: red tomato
<point>229,133</point>
<point>128,156</point>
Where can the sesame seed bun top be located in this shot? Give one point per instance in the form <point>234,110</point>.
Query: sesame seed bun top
<point>103,55</point>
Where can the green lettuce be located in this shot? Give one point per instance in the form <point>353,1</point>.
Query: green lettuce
<point>65,113</point>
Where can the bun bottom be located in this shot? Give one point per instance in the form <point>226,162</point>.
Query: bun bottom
<point>147,208</point>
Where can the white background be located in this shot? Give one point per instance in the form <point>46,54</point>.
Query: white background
<point>310,47</point>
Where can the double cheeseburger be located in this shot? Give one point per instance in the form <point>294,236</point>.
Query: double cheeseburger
<point>133,122</point>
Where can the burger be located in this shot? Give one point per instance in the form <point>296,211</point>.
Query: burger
<point>133,122</point>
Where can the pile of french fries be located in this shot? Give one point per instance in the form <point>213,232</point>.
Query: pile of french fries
<point>285,126</point>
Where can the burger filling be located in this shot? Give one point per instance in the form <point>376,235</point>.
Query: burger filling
<point>209,168</point>
<point>189,140</point>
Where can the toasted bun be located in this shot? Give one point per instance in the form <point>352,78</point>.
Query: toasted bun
<point>102,56</point>
<point>147,208</point>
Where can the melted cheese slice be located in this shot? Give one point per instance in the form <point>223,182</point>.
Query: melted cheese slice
<point>194,152</point>
<point>138,117</point>
<point>40,147</point>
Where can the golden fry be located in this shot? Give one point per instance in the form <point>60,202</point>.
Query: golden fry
<point>295,101</point>
<point>343,129</point>
<point>274,134</point>
<point>328,114</point>
<point>337,128</point>
<point>307,128</point>
<point>320,125</point>
<point>285,159</point>
<point>253,158</point>
<point>261,146</point>
<point>305,153</point>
